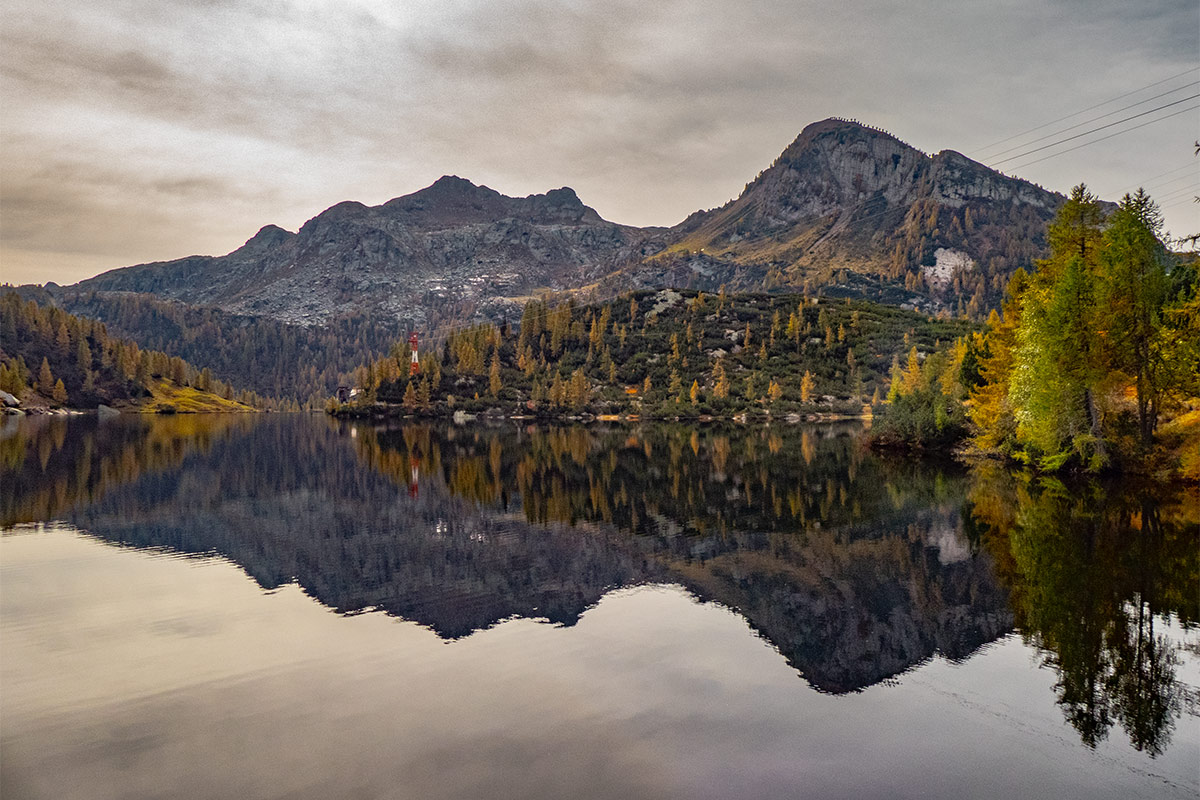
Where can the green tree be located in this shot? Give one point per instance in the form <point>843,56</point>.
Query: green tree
<point>1057,363</point>
<point>1133,293</point>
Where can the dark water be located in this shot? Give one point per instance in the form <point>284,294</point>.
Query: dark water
<point>292,607</point>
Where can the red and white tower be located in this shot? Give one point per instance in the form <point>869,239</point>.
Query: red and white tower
<point>415,366</point>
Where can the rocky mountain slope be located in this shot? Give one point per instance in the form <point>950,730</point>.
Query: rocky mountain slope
<point>856,209</point>
<point>846,207</point>
<point>450,249</point>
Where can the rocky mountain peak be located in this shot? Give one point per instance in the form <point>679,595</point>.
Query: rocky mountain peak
<point>563,197</point>
<point>835,132</point>
<point>268,236</point>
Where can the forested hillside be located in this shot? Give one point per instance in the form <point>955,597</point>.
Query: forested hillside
<point>292,363</point>
<point>50,358</point>
<point>669,353</point>
<point>1093,352</point>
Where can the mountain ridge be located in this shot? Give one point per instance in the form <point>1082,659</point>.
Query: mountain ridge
<point>844,206</point>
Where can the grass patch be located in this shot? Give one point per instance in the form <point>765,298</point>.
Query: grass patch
<point>168,398</point>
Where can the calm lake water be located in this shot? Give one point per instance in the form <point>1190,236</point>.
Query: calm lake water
<point>288,606</point>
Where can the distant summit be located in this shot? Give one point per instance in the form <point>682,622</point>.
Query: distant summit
<point>448,250</point>
<point>856,210</point>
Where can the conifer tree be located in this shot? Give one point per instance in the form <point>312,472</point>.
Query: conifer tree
<point>675,386</point>
<point>721,382</point>
<point>494,374</point>
<point>1133,293</point>
<point>580,390</point>
<point>45,381</point>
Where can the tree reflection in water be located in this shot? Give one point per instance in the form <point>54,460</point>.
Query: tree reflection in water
<point>1093,568</point>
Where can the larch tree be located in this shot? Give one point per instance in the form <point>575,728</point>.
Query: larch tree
<point>45,381</point>
<point>806,387</point>
<point>1133,292</point>
<point>1058,356</point>
<point>721,382</point>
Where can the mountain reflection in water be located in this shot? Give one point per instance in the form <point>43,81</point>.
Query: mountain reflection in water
<point>854,567</point>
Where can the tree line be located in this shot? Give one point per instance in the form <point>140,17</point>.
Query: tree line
<point>298,366</point>
<point>661,353</point>
<point>72,361</point>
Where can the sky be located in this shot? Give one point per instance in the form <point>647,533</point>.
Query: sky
<point>145,130</point>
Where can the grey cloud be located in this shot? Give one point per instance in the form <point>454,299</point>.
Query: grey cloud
<point>650,110</point>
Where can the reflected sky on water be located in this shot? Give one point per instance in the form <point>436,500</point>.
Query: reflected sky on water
<point>519,611</point>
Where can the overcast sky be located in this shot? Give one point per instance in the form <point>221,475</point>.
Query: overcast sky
<point>142,130</point>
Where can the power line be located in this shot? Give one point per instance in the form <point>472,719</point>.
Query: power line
<point>1100,128</point>
<point>1096,119</point>
<point>1149,181</point>
<point>1160,187</point>
<point>1178,203</point>
<point>1085,110</point>
<point>1171,196</point>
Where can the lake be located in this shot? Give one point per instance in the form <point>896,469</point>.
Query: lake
<point>289,606</point>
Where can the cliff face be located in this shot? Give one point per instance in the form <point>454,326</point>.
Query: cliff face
<point>449,248</point>
<point>845,206</point>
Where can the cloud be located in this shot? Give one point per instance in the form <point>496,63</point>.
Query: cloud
<point>207,120</point>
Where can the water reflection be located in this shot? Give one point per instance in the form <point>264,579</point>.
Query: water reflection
<point>1093,568</point>
<point>855,568</point>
